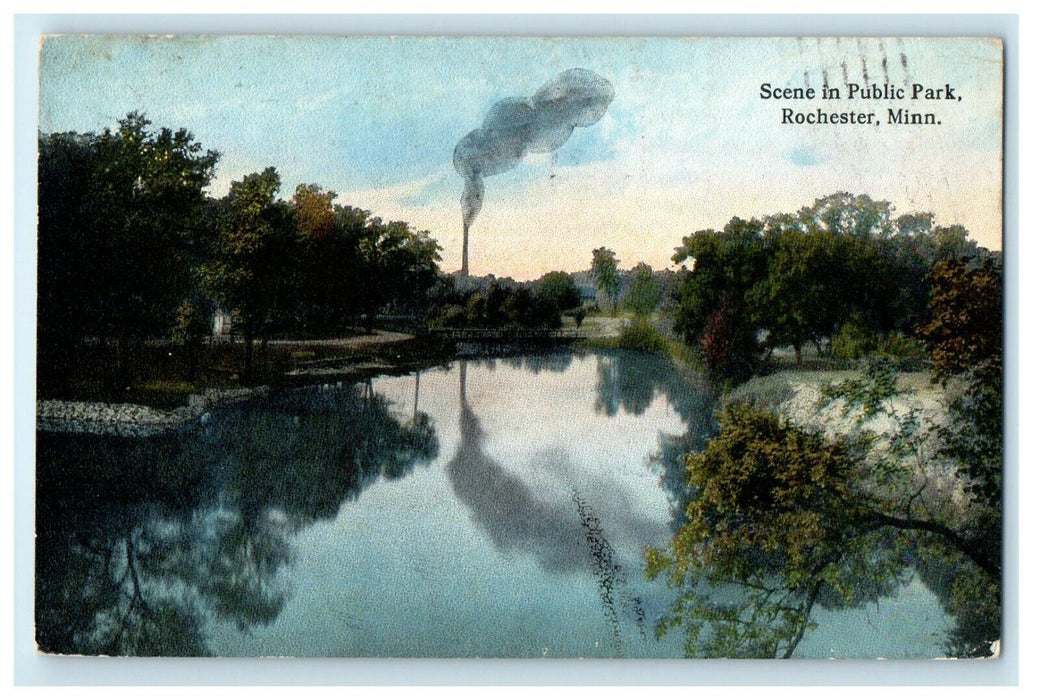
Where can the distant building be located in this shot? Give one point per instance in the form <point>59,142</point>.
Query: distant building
<point>223,324</point>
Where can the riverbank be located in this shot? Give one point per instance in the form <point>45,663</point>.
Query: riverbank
<point>908,418</point>
<point>160,398</point>
<point>132,420</point>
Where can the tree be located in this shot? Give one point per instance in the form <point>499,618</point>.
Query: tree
<point>329,263</point>
<point>848,214</point>
<point>714,313</point>
<point>605,273</point>
<point>557,291</point>
<point>965,325</point>
<point>644,295</point>
<point>117,234</point>
<point>247,269</point>
<point>965,336</point>
<point>782,520</point>
<point>315,214</point>
<point>66,296</point>
<point>397,266</point>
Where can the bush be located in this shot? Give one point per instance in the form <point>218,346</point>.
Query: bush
<point>641,335</point>
<point>907,353</point>
<point>729,346</point>
<point>854,339</point>
<point>191,325</point>
<point>449,316</point>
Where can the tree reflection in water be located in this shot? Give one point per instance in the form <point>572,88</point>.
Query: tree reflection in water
<point>629,382</point>
<point>142,542</point>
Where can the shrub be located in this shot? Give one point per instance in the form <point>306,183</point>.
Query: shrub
<point>854,339</point>
<point>641,335</point>
<point>449,316</point>
<point>907,353</point>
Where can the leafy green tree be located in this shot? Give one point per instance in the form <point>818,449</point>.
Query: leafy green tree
<point>714,313</point>
<point>117,233</point>
<point>843,213</point>
<point>908,257</point>
<point>557,291</point>
<point>247,269</point>
<point>315,213</point>
<point>192,326</point>
<point>965,325</point>
<point>781,520</point>
<point>643,295</point>
<point>397,267</point>
<point>605,273</point>
<point>66,294</point>
<point>328,264</point>
<point>965,336</point>
<point>792,300</point>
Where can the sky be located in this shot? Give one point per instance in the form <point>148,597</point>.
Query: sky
<point>687,143</point>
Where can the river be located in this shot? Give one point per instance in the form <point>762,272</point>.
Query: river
<point>491,508</point>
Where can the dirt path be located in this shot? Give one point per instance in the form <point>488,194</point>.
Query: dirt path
<point>351,343</point>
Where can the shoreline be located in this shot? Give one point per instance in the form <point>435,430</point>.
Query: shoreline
<point>140,420</point>
<point>385,354</point>
<point>133,420</point>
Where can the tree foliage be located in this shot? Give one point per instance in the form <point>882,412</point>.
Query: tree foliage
<point>643,295</point>
<point>131,247</point>
<point>714,312</point>
<point>795,279</point>
<point>782,519</point>
<point>247,271</point>
<point>117,232</point>
<point>965,323</point>
<point>605,273</point>
<point>557,290</point>
<point>772,524</point>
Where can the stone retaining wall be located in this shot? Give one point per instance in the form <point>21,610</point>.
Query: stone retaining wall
<point>131,420</point>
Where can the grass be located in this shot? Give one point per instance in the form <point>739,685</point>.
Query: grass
<point>164,376</point>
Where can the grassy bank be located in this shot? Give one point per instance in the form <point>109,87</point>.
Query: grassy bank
<point>164,375</point>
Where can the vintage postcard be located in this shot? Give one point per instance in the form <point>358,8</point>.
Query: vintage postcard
<point>519,347</point>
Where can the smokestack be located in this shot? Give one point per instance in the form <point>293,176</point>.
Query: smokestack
<point>465,249</point>
<point>516,126</point>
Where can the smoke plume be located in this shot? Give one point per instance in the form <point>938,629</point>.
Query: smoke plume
<point>517,126</point>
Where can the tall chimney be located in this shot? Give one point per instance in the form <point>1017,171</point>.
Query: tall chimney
<point>465,250</point>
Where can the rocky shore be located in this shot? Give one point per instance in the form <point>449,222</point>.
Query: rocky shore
<point>132,420</point>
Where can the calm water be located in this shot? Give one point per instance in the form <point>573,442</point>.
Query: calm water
<point>490,508</point>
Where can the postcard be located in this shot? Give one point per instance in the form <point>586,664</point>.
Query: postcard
<point>499,347</point>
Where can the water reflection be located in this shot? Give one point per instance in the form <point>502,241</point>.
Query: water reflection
<point>140,542</point>
<point>503,505</point>
<point>556,362</point>
<point>530,537</point>
<point>629,382</point>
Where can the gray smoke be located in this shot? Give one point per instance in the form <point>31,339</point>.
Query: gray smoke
<point>517,126</point>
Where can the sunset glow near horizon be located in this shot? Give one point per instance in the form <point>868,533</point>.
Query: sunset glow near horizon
<point>689,141</point>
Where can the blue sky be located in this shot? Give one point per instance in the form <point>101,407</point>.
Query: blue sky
<point>686,144</point>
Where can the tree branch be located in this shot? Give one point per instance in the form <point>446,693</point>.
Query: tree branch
<point>982,558</point>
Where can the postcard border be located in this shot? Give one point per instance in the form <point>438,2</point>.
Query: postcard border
<point>33,669</point>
